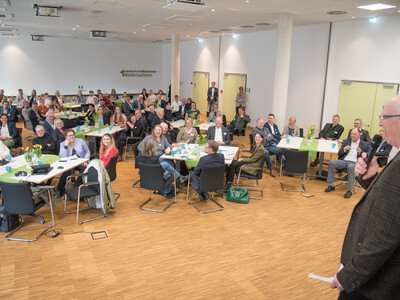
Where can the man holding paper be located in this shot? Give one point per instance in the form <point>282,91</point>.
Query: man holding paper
<point>371,248</point>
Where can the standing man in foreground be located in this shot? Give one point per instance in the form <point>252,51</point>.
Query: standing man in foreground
<point>212,96</point>
<point>371,248</point>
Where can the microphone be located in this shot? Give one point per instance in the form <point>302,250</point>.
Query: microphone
<point>375,142</point>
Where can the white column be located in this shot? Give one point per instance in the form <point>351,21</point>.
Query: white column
<point>282,68</point>
<point>175,64</point>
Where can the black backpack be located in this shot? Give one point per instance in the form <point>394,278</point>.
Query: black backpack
<point>8,221</point>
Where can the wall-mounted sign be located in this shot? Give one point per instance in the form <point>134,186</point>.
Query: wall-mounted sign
<point>137,73</point>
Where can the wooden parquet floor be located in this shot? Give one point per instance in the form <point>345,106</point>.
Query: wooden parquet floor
<point>262,250</point>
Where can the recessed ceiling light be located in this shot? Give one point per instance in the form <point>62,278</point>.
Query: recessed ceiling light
<point>134,32</point>
<point>376,6</point>
<point>353,17</point>
<point>187,35</point>
<point>143,29</point>
<point>73,28</point>
<point>247,1</point>
<point>77,26</point>
<point>213,9</point>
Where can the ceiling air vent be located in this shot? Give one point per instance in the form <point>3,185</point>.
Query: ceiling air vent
<point>98,33</point>
<point>337,12</point>
<point>47,11</point>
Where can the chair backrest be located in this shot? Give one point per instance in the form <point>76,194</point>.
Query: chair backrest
<point>295,161</point>
<point>17,198</point>
<point>224,120</point>
<point>18,139</point>
<point>151,176</point>
<point>301,132</point>
<point>135,148</point>
<point>93,176</point>
<point>112,167</point>
<point>251,139</point>
<point>92,148</point>
<point>212,178</point>
<point>261,168</point>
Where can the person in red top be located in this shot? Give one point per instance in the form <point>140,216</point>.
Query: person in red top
<point>107,149</point>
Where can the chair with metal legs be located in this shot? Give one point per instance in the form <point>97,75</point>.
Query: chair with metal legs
<point>19,199</point>
<point>211,180</point>
<point>89,189</point>
<point>152,178</point>
<point>294,162</point>
<point>248,176</point>
<point>112,172</point>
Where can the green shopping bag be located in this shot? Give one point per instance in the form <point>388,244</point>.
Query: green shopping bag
<point>237,195</point>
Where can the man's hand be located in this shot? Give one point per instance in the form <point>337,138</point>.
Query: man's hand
<point>221,143</point>
<point>347,148</point>
<point>322,138</point>
<point>358,150</point>
<point>66,142</point>
<point>335,284</point>
<point>361,167</point>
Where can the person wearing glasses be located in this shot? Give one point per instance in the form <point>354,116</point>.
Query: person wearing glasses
<point>71,147</point>
<point>364,134</point>
<point>371,248</point>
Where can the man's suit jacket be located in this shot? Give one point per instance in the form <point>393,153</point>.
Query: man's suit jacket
<point>371,249</point>
<point>11,112</point>
<point>182,109</point>
<point>276,134</point>
<point>225,134</point>
<point>142,120</point>
<point>12,129</point>
<point>127,108</point>
<point>329,132</point>
<point>209,94</point>
<point>49,145</point>
<point>138,105</point>
<point>48,128</point>
<point>210,160</point>
<point>342,153</point>
<point>364,135</point>
<point>382,153</point>
<point>34,118</point>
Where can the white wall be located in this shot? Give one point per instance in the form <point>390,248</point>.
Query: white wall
<point>362,51</point>
<point>59,64</point>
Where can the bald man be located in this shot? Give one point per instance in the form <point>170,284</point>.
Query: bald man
<point>347,157</point>
<point>371,248</point>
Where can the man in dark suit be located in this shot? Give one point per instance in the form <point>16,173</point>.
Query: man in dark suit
<point>90,114</point>
<point>383,151</point>
<point>219,133</point>
<point>49,145</point>
<point>10,111</point>
<point>139,118</point>
<point>133,129</point>
<point>35,116</point>
<point>371,248</point>
<point>158,118</point>
<point>127,107</point>
<point>364,135</point>
<point>213,159</point>
<point>212,96</point>
<point>271,144</point>
<point>48,124</point>
<point>331,131</point>
<point>180,114</point>
<point>347,157</point>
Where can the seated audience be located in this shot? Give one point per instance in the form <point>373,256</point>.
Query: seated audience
<point>151,115</point>
<point>160,99</point>
<point>139,118</point>
<point>331,131</point>
<point>70,147</point>
<point>106,110</point>
<point>33,97</point>
<point>104,118</point>
<point>260,128</point>
<point>193,112</point>
<point>119,118</point>
<point>8,110</point>
<point>58,133</point>
<point>133,129</point>
<point>383,151</point>
<point>212,159</point>
<point>139,103</point>
<point>25,115</point>
<point>219,133</point>
<point>291,129</point>
<point>251,163</point>
<point>148,155</point>
<point>168,113</point>
<point>271,144</point>
<point>215,113</point>
<point>180,114</point>
<point>113,95</point>
<point>187,134</point>
<point>151,97</point>
<point>239,122</point>
<point>176,104</point>
<point>35,116</point>
<point>9,131</point>
<point>55,105</point>
<point>80,98</point>
<point>48,123</point>
<point>348,155</point>
<point>158,118</point>
<point>107,149</point>
<point>90,114</point>
<point>127,107</point>
<point>90,98</point>
<point>364,135</point>
<point>42,108</point>
<point>49,145</point>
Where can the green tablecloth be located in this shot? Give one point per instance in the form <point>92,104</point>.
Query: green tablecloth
<point>82,134</point>
<point>312,149</point>
<point>69,105</point>
<point>47,159</point>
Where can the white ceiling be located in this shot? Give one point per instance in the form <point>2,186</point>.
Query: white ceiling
<point>148,20</point>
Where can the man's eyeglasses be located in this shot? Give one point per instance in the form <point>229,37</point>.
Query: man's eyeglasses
<point>382,117</point>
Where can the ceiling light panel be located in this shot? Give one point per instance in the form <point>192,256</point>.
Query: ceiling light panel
<point>376,6</point>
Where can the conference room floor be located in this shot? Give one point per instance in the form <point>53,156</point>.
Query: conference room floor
<point>261,250</point>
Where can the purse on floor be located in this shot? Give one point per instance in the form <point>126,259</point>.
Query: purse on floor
<point>237,195</point>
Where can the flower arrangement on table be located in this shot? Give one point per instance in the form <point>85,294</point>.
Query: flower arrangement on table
<point>73,99</point>
<point>96,117</point>
<point>28,155</point>
<point>311,131</point>
<point>38,150</point>
<point>68,99</point>
<point>86,121</point>
<point>202,139</point>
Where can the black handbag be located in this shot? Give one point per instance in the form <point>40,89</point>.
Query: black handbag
<point>8,221</point>
<point>41,170</point>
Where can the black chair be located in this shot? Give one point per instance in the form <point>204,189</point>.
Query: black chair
<point>152,179</point>
<point>294,162</point>
<point>301,132</point>
<point>92,148</point>
<point>136,153</point>
<point>256,177</point>
<point>130,142</point>
<point>211,180</point>
<point>18,199</point>
<point>112,172</point>
<point>89,189</point>
<point>18,139</point>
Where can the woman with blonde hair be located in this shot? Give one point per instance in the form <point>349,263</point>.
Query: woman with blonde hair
<point>107,149</point>
<point>187,134</point>
<point>119,118</point>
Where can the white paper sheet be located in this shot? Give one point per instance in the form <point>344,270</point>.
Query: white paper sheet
<point>325,279</point>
